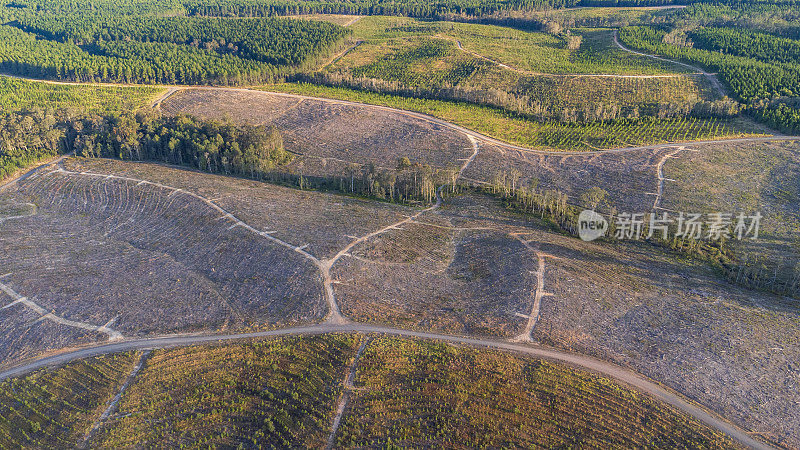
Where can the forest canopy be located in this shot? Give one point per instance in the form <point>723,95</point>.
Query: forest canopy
<point>142,49</point>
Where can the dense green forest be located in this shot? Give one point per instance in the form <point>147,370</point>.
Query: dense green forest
<point>759,69</point>
<point>132,49</point>
<point>465,9</point>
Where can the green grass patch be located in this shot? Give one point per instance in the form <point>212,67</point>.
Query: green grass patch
<point>18,95</point>
<point>526,50</point>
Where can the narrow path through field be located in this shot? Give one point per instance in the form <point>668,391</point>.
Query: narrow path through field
<point>326,264</point>
<point>114,402</point>
<point>620,374</point>
<point>710,76</point>
<point>45,315</point>
<point>570,75</point>
<point>353,20</point>
<point>347,386</point>
<point>660,176</point>
<point>341,54</point>
<point>539,292</point>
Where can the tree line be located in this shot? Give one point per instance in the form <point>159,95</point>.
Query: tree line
<point>440,9</point>
<point>220,147</point>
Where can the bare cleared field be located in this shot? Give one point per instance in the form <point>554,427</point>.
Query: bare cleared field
<point>140,258</point>
<point>750,177</point>
<point>100,248</point>
<point>475,282</point>
<point>628,177</point>
<point>670,318</point>
<point>324,131</point>
<point>324,223</point>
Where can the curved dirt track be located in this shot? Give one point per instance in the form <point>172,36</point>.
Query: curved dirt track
<point>710,76</point>
<point>611,370</point>
<point>618,373</point>
<point>490,140</point>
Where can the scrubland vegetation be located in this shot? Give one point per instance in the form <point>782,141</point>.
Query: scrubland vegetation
<point>279,392</point>
<point>283,392</point>
<point>54,408</point>
<point>513,70</point>
<point>413,393</point>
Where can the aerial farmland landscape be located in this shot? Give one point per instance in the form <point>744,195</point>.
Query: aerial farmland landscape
<point>400,224</point>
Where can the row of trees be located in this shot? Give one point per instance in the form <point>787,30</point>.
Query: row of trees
<point>210,146</point>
